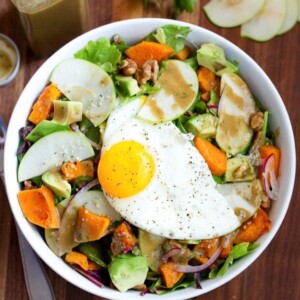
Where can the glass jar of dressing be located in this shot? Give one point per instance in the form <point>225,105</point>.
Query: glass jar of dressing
<point>9,60</point>
<point>49,24</point>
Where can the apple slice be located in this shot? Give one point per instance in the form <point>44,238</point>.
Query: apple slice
<point>244,197</point>
<point>83,81</point>
<point>231,13</point>
<point>235,107</point>
<point>95,202</point>
<point>267,23</point>
<point>298,18</point>
<point>290,17</point>
<point>178,85</point>
<point>51,151</point>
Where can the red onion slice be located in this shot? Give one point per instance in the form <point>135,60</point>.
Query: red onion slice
<point>170,253</point>
<point>87,187</point>
<point>200,268</point>
<point>213,106</point>
<point>269,178</point>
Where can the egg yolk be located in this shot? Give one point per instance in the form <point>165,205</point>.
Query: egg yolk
<point>125,169</point>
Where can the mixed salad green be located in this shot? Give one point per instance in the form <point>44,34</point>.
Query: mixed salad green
<point>60,150</point>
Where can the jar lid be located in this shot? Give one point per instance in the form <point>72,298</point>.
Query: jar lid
<point>9,59</point>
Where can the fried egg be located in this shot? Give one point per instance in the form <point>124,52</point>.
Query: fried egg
<point>155,178</point>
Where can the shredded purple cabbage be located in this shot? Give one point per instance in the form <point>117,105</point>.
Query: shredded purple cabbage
<point>93,276</point>
<point>24,131</point>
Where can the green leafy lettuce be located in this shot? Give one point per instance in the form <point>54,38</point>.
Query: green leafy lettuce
<point>237,252</point>
<point>171,35</point>
<point>102,53</point>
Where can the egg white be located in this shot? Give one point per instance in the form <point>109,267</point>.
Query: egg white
<point>181,201</point>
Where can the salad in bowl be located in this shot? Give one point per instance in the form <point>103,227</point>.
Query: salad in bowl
<point>149,165</point>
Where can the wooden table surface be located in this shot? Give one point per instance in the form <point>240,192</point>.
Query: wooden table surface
<point>276,274</point>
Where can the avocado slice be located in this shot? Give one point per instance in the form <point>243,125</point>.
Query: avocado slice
<point>128,85</point>
<point>204,126</point>
<point>67,112</point>
<point>213,58</point>
<point>57,183</point>
<point>239,169</point>
<point>44,128</point>
<point>127,271</point>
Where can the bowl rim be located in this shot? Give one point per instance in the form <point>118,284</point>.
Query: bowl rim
<point>77,279</point>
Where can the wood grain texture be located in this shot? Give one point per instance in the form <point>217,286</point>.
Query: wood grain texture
<point>275,275</point>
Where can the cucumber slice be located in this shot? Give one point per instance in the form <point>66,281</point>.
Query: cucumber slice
<point>235,107</point>
<point>80,80</point>
<point>178,85</point>
<point>290,17</point>
<point>51,151</point>
<point>267,23</point>
<point>244,197</point>
<point>231,13</point>
<point>150,246</point>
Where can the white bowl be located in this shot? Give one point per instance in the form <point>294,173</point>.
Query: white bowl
<point>133,31</point>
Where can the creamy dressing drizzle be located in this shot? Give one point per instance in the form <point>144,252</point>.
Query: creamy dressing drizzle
<point>173,83</point>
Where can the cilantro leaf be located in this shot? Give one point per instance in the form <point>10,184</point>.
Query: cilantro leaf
<point>102,53</point>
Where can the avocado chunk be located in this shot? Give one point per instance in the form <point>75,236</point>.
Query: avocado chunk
<point>57,183</point>
<point>44,128</point>
<point>67,112</point>
<point>126,271</point>
<point>213,58</point>
<point>128,85</point>
<point>204,126</point>
<point>151,247</point>
<point>239,169</point>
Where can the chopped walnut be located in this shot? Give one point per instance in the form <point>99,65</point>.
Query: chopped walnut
<point>257,142</point>
<point>140,287</point>
<point>266,203</point>
<point>257,121</point>
<point>149,71</point>
<point>129,67</point>
<point>28,184</point>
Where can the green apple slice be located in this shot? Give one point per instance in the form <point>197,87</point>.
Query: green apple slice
<point>178,85</point>
<point>86,82</point>
<point>95,202</point>
<point>51,151</point>
<point>244,197</point>
<point>267,23</point>
<point>231,13</point>
<point>290,17</point>
<point>236,104</point>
